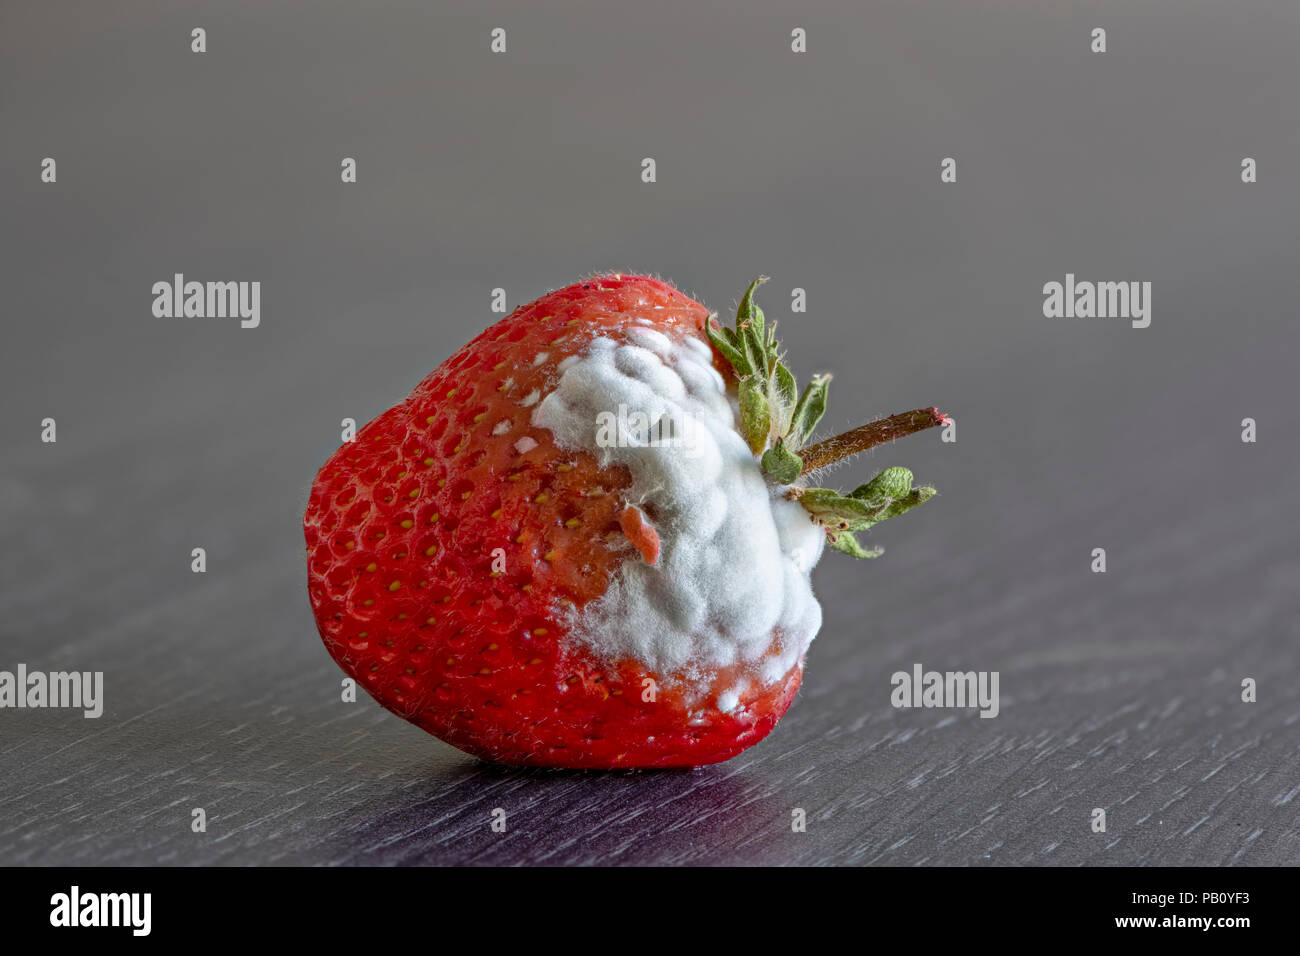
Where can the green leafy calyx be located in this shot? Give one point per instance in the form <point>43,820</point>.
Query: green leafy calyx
<point>773,414</point>
<point>777,421</point>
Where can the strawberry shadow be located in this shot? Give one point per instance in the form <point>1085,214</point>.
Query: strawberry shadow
<point>476,813</point>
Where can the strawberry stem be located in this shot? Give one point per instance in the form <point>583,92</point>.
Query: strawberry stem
<point>869,436</point>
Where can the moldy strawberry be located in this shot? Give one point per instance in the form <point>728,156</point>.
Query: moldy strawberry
<point>585,539</point>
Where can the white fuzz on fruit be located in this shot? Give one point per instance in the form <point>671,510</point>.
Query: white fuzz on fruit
<point>731,587</point>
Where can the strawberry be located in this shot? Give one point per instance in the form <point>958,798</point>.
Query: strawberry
<point>585,539</point>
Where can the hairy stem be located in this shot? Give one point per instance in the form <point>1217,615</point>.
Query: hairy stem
<point>869,436</point>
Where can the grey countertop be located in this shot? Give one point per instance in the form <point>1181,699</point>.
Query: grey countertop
<point>1119,691</point>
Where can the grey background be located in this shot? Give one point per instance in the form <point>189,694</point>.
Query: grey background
<point>522,171</point>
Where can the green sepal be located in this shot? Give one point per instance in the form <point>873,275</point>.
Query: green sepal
<point>755,415</point>
<point>787,392</point>
<point>841,511</point>
<point>869,504</point>
<point>783,465</point>
<point>752,347</point>
<point>845,542</point>
<point>892,483</point>
<point>917,496</point>
<point>724,340</point>
<point>809,410</point>
<point>748,311</point>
